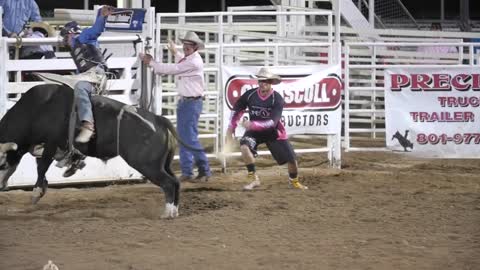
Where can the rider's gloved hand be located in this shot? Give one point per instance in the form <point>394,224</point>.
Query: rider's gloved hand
<point>107,10</point>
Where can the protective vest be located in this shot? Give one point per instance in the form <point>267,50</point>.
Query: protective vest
<point>87,56</point>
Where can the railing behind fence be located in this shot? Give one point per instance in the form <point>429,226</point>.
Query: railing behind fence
<point>119,88</point>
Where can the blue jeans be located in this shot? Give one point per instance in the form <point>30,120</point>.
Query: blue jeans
<point>188,113</point>
<point>83,91</point>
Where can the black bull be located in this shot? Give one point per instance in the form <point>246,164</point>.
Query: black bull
<point>42,116</point>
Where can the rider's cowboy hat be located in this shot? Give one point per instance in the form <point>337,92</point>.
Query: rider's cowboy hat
<point>43,27</point>
<point>190,36</point>
<point>265,74</point>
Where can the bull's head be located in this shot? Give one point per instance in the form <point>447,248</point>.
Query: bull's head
<point>6,168</point>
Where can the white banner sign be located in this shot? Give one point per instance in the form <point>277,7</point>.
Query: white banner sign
<point>433,112</point>
<point>312,94</point>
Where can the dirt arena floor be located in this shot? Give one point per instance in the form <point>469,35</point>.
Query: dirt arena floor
<point>381,211</point>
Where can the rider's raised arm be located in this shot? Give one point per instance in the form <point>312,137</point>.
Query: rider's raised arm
<point>91,34</point>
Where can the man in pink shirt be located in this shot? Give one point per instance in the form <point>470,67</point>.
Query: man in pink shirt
<point>188,68</point>
<point>265,107</point>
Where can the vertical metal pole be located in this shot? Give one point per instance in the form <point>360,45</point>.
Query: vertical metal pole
<point>346,90</point>
<point>3,70</point>
<point>336,143</point>
<point>282,29</point>
<point>371,13</point>
<point>338,48</point>
<point>139,4</point>
<point>460,54</point>
<point>266,53</point>
<point>373,80</point>
<point>150,76</point>
<point>146,4</point>
<point>230,39</point>
<point>145,72</point>
<point>275,57</point>
<point>330,40</point>
<point>465,14</point>
<point>1,16</point>
<point>159,57</point>
<point>85,4</point>
<point>223,6</point>
<point>470,55</point>
<point>442,10</point>
<point>3,75</point>
<point>221,140</point>
<point>182,8</point>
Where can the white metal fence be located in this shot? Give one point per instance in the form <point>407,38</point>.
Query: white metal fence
<point>233,42</point>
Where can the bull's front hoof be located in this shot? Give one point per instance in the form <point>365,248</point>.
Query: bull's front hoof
<point>37,194</point>
<point>171,211</point>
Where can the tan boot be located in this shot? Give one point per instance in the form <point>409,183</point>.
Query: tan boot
<point>294,183</point>
<point>86,132</point>
<point>255,181</point>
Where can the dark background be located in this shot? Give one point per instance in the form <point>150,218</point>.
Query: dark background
<point>430,9</point>
<point>420,9</point>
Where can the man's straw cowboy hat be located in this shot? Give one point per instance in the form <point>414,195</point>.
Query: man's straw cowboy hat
<point>265,74</point>
<point>192,37</point>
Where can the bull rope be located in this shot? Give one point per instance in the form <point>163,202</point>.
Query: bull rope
<point>132,110</point>
<point>18,46</point>
<point>71,125</point>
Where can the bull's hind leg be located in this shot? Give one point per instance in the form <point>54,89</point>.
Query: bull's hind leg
<point>168,169</point>
<point>165,179</point>
<point>43,163</point>
<point>170,187</point>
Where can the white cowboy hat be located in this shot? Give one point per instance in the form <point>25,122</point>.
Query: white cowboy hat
<point>265,74</point>
<point>43,27</point>
<point>190,36</point>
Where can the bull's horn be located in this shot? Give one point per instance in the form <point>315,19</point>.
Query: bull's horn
<point>8,146</point>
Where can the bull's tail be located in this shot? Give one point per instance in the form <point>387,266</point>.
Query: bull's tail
<point>164,121</point>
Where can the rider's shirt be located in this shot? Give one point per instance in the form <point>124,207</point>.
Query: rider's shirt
<point>264,112</point>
